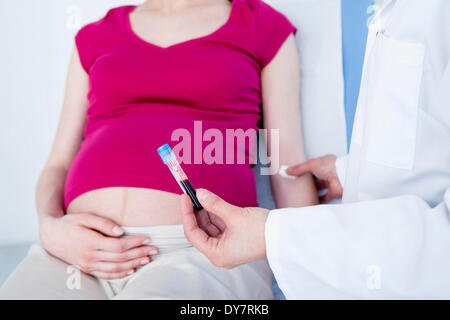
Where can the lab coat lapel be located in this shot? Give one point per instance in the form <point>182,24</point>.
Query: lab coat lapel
<point>376,25</point>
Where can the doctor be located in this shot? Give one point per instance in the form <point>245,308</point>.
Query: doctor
<point>391,236</point>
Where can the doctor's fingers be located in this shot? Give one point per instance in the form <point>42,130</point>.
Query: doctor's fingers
<point>334,191</point>
<point>217,206</point>
<point>217,222</point>
<point>322,168</point>
<point>335,187</point>
<point>321,184</point>
<point>310,166</point>
<point>204,220</point>
<point>325,198</point>
<point>193,232</point>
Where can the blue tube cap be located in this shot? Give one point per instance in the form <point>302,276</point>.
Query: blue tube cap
<point>166,153</point>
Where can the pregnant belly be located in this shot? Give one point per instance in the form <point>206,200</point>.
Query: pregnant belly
<point>130,206</point>
<point>118,173</point>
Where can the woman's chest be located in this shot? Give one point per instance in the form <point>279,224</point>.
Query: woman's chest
<point>210,75</point>
<point>163,29</point>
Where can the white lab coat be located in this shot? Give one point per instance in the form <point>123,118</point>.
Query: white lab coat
<point>391,236</point>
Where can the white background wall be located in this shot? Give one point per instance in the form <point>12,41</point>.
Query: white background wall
<point>36,39</point>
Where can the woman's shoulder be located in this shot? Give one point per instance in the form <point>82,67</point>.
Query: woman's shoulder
<point>262,16</point>
<point>94,35</point>
<point>260,8</point>
<point>113,17</point>
<point>270,28</point>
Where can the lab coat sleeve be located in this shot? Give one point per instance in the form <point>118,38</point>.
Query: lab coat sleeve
<point>341,168</point>
<point>390,248</point>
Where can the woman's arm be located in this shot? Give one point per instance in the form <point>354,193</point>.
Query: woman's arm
<point>84,239</point>
<point>281,107</point>
<point>50,186</point>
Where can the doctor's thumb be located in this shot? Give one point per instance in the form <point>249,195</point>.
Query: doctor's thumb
<point>302,168</point>
<point>215,205</point>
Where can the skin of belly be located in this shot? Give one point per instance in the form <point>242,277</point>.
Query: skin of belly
<point>130,207</point>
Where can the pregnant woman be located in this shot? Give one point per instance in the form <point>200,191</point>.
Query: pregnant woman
<point>109,213</point>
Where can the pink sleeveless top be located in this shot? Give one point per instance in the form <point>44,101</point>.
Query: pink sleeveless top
<point>140,94</point>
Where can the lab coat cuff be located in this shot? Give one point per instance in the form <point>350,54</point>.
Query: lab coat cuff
<point>274,247</point>
<point>341,168</point>
<point>272,235</point>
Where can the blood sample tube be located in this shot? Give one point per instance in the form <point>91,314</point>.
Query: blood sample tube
<point>170,160</point>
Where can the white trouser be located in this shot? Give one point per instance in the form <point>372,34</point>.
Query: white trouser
<point>178,271</point>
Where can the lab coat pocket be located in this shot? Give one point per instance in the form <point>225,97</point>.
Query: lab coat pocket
<point>392,110</point>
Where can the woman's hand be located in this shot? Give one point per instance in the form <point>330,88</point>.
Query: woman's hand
<point>227,235</point>
<point>324,169</point>
<point>93,244</point>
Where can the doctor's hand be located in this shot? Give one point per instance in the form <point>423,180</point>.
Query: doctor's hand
<point>324,170</point>
<point>227,235</point>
